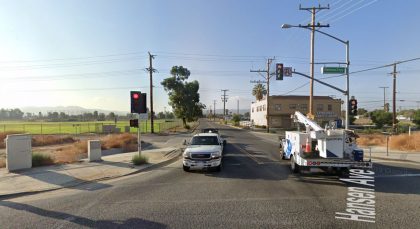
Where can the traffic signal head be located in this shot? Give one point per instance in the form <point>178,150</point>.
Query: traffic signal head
<point>138,102</point>
<point>134,123</point>
<point>279,71</point>
<point>353,106</point>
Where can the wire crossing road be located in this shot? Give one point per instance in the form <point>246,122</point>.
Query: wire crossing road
<point>255,189</point>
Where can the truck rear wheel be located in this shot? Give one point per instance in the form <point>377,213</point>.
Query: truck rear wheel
<point>282,154</point>
<point>293,166</point>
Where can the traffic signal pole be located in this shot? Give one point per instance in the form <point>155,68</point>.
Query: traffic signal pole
<point>139,136</point>
<point>346,124</point>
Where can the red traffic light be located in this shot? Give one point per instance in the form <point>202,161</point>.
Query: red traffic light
<point>136,96</point>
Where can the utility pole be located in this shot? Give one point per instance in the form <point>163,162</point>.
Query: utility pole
<point>312,26</point>
<point>150,69</point>
<point>224,100</point>
<point>384,97</point>
<point>394,95</point>
<point>214,109</point>
<point>237,107</point>
<point>267,71</point>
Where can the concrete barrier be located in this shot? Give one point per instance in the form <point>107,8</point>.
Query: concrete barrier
<point>94,150</point>
<point>18,152</point>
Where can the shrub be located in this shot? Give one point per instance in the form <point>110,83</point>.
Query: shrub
<point>139,159</point>
<point>236,118</point>
<point>39,159</point>
<point>187,127</point>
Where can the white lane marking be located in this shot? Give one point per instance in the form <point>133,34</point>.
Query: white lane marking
<point>399,175</point>
<point>246,152</point>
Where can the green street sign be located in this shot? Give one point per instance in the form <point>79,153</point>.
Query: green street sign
<point>333,70</point>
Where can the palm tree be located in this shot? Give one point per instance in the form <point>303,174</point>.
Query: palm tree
<point>259,91</point>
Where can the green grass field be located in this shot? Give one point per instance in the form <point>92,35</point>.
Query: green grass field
<point>82,127</point>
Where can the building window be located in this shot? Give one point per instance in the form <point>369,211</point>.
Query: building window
<point>303,107</point>
<point>252,110</point>
<point>292,106</point>
<point>320,107</point>
<point>277,107</point>
<point>263,107</point>
<point>329,107</point>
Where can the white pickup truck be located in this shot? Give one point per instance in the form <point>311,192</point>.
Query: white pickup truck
<point>205,150</point>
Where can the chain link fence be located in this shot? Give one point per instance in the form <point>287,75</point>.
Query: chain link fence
<point>86,127</point>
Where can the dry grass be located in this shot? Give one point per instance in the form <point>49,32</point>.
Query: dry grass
<point>39,140</point>
<point>398,142</point>
<point>126,141</point>
<point>3,136</point>
<point>71,153</point>
<point>405,142</point>
<point>78,150</point>
<point>51,140</point>
<point>372,140</point>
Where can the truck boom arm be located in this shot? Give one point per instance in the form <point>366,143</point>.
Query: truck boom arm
<point>306,121</point>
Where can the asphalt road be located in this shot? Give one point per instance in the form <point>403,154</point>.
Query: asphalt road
<point>255,189</point>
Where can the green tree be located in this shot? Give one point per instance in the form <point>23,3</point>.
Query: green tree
<point>416,117</point>
<point>259,91</point>
<point>161,115</point>
<point>236,118</point>
<point>381,118</point>
<point>362,111</point>
<point>183,96</point>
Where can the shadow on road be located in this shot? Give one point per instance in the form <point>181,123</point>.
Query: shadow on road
<point>64,180</point>
<point>82,221</point>
<point>238,165</point>
<point>396,179</point>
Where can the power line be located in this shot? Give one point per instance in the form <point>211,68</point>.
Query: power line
<point>338,12</point>
<point>363,6</point>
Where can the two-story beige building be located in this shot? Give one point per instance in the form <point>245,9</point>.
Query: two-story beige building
<point>282,107</point>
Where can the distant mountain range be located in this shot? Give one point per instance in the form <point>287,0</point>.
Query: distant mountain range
<point>71,110</point>
<point>75,110</point>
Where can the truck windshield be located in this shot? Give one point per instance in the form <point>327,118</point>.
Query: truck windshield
<point>204,140</point>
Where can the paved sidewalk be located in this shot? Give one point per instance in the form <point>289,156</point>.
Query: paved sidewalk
<point>70,175</point>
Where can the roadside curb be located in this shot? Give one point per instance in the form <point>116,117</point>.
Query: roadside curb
<point>77,183</point>
<point>393,159</point>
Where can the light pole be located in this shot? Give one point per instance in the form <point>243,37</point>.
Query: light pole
<point>347,43</point>
<point>384,97</point>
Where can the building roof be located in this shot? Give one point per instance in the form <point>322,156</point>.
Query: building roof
<point>301,97</point>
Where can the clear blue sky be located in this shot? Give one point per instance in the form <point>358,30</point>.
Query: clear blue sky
<point>91,53</point>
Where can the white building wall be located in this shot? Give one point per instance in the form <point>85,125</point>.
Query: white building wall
<point>259,112</point>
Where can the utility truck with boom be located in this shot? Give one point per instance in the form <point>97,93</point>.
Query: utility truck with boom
<point>326,148</point>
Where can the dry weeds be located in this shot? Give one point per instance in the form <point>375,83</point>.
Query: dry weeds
<point>126,141</point>
<point>40,140</point>
<point>3,136</point>
<point>71,153</point>
<point>402,142</point>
